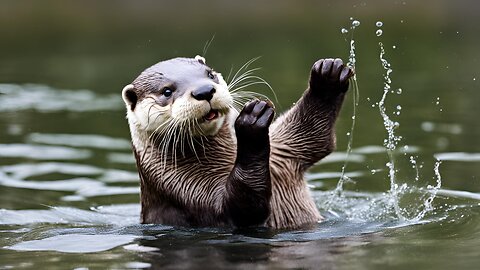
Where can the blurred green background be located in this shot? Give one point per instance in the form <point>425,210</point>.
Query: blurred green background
<point>104,45</point>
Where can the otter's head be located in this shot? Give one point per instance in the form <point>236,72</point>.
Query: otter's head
<point>178,93</point>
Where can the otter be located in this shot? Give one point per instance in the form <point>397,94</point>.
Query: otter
<point>203,164</point>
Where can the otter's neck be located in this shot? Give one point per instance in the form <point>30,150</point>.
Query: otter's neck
<point>178,148</point>
<point>187,177</point>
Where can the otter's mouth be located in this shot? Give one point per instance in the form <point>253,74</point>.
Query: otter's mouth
<point>211,115</point>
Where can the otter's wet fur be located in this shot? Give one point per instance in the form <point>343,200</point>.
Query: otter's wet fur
<point>201,163</point>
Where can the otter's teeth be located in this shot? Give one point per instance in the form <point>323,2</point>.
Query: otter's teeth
<point>212,114</point>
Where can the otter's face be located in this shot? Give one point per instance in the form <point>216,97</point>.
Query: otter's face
<point>178,93</point>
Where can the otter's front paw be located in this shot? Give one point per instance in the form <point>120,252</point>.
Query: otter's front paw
<point>253,122</point>
<point>329,77</point>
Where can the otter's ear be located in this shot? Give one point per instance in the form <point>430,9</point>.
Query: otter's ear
<point>200,59</point>
<point>129,96</point>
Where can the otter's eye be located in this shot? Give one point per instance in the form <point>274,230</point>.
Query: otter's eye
<point>210,75</point>
<point>167,92</point>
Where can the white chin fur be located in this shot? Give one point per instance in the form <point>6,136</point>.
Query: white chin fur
<point>210,128</point>
<point>188,109</point>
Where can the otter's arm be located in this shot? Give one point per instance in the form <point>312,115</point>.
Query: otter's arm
<point>305,134</point>
<point>248,188</point>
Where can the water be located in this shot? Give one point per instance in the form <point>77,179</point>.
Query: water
<point>67,175</point>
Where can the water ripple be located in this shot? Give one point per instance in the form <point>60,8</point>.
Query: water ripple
<point>83,140</point>
<point>42,152</point>
<point>119,215</point>
<point>43,98</point>
<point>458,156</point>
<point>75,243</point>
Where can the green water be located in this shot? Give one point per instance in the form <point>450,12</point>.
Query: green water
<point>68,184</point>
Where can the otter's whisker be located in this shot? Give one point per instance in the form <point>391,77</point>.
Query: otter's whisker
<point>158,128</point>
<point>229,73</point>
<point>245,66</point>
<point>246,95</point>
<point>185,134</point>
<point>248,84</point>
<point>207,45</point>
<point>183,128</point>
<point>191,138</point>
<point>156,115</point>
<point>246,80</point>
<point>232,106</point>
<point>243,77</point>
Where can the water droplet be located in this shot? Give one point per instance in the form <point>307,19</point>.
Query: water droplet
<point>379,24</point>
<point>373,171</point>
<point>399,107</point>
<point>401,21</point>
<point>353,117</point>
<point>344,31</point>
<point>351,18</point>
<point>379,32</point>
<point>399,91</point>
<point>355,23</point>
<point>394,47</point>
<point>348,133</point>
<point>474,79</point>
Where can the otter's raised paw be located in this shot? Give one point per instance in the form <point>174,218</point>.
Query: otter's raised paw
<point>254,120</point>
<point>329,77</point>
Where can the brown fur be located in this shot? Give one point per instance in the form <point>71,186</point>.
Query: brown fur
<point>190,190</point>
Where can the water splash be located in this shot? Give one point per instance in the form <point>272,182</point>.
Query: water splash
<point>392,140</point>
<point>337,192</point>
<point>432,193</point>
<point>388,205</point>
<point>413,161</point>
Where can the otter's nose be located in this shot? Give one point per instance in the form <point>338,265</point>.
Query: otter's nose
<point>203,93</point>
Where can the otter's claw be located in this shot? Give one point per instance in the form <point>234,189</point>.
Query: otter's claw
<point>254,119</point>
<point>329,77</point>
